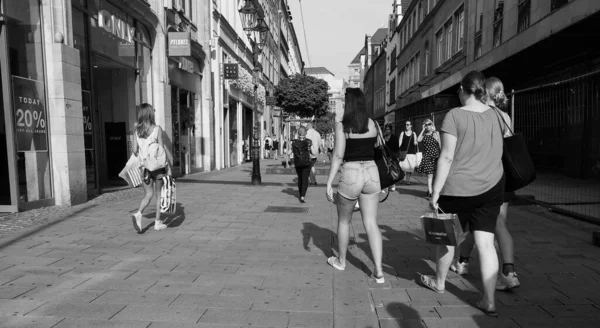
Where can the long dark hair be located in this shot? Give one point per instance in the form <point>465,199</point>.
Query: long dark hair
<point>474,84</point>
<point>145,120</point>
<point>355,118</point>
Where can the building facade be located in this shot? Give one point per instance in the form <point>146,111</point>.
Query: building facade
<point>336,92</point>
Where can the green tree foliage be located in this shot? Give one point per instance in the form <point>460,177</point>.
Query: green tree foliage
<point>325,124</point>
<point>303,95</point>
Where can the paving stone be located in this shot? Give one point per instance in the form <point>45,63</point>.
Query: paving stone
<point>78,310</point>
<point>159,313</point>
<point>572,311</point>
<point>167,287</point>
<point>207,278</point>
<point>119,297</point>
<point>37,270</point>
<point>401,323</point>
<point>364,321</point>
<point>29,321</point>
<point>64,295</point>
<point>48,281</point>
<point>310,320</point>
<point>214,301</point>
<point>10,292</point>
<point>130,285</point>
<point>472,322</point>
<point>381,296</point>
<point>245,317</point>
<point>83,323</point>
<point>18,307</point>
<point>557,322</point>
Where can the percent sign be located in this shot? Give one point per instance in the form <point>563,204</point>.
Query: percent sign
<point>87,123</point>
<point>40,122</point>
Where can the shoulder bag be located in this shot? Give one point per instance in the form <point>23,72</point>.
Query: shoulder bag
<point>402,154</point>
<point>387,165</point>
<point>518,165</point>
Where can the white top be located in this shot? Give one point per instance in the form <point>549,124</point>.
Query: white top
<point>315,137</point>
<point>143,143</point>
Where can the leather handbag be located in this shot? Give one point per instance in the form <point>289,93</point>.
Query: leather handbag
<point>518,165</point>
<point>387,165</point>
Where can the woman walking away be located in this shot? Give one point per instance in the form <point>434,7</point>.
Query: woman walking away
<point>408,147</point>
<point>149,147</point>
<point>355,139</point>
<point>469,182</point>
<point>301,149</point>
<point>392,142</point>
<point>507,279</point>
<point>430,139</point>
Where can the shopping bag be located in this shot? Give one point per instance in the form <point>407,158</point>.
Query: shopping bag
<point>168,200</point>
<point>132,172</point>
<point>442,229</point>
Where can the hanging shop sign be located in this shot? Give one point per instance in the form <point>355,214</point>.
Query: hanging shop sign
<point>186,65</point>
<point>231,71</point>
<point>29,106</point>
<point>180,44</point>
<point>271,101</point>
<point>113,24</point>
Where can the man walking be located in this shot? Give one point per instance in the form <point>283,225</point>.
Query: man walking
<point>315,137</point>
<point>268,144</point>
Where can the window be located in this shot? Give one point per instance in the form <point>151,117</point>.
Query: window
<point>460,29</point>
<point>449,40</point>
<point>478,44</point>
<point>440,47</point>
<point>417,68</point>
<point>479,15</point>
<point>426,71</point>
<point>558,3</point>
<point>415,21</point>
<point>498,17</point>
<point>523,18</point>
<point>393,60</point>
<point>392,91</point>
<point>427,6</point>
<point>422,16</point>
<point>410,29</point>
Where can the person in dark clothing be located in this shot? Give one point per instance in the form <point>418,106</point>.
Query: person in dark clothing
<point>301,149</point>
<point>393,144</point>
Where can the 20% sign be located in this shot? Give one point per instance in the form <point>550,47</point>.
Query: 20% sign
<point>26,118</point>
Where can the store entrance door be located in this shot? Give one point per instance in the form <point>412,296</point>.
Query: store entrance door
<point>8,184</point>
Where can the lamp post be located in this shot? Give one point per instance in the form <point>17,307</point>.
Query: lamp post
<point>253,22</point>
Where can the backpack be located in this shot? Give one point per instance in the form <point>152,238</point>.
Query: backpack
<point>157,158</point>
<point>301,150</point>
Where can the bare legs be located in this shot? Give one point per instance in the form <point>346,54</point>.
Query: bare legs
<point>157,187</point>
<point>407,177</point>
<point>368,207</point>
<point>430,183</point>
<point>149,190</point>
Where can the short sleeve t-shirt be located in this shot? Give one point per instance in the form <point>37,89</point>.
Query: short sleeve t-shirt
<point>477,164</point>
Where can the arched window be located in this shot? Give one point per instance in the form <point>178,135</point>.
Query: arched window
<point>426,71</point>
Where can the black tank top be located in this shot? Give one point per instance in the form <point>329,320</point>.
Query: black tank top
<point>360,149</point>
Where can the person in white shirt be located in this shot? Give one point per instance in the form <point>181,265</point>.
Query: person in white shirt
<point>315,137</point>
<point>268,145</point>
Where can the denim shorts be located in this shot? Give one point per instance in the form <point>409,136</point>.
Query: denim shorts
<point>358,178</point>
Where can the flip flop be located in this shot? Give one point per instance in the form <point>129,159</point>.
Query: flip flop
<point>428,282</point>
<point>487,312</point>
<point>332,261</point>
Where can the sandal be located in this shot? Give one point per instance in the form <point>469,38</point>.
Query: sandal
<point>334,262</point>
<point>479,305</point>
<point>429,282</point>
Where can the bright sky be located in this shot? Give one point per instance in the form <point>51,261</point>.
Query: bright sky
<point>335,29</point>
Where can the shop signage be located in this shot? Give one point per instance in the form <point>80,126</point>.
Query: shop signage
<point>186,65</point>
<point>116,26</point>
<point>30,114</point>
<point>180,44</point>
<point>87,120</point>
<point>271,101</point>
<point>231,71</point>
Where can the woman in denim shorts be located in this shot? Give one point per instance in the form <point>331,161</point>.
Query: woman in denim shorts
<point>355,139</point>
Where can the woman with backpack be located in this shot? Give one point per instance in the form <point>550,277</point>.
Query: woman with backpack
<point>354,153</point>
<point>149,148</point>
<point>301,150</point>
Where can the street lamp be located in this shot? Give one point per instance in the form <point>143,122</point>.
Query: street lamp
<point>252,21</point>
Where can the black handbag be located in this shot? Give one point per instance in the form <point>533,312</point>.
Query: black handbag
<point>402,154</point>
<point>518,165</point>
<point>387,165</point>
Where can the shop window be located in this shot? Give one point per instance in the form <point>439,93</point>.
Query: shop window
<point>498,18</point>
<point>30,116</point>
<point>523,15</point>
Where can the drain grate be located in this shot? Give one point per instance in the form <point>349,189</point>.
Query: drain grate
<point>286,209</point>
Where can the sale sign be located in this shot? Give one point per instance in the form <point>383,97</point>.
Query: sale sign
<point>29,104</point>
<point>87,120</point>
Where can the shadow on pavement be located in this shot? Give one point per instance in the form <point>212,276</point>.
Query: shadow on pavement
<point>412,192</point>
<point>404,315</point>
<point>291,192</point>
<point>238,183</point>
<point>176,219</point>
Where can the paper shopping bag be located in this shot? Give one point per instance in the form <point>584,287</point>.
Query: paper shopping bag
<point>168,200</point>
<point>442,229</point>
<point>132,172</point>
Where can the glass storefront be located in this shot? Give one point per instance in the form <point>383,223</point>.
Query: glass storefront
<point>116,69</point>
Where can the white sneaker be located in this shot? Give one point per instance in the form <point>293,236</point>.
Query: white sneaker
<point>393,187</point>
<point>507,282</point>
<point>460,268</point>
<point>356,206</point>
<point>159,225</point>
<point>137,221</point>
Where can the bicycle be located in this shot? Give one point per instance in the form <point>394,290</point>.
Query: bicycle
<point>384,194</point>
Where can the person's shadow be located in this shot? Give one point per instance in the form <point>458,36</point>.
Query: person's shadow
<point>403,315</point>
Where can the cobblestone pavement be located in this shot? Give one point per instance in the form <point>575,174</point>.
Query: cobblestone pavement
<point>227,260</point>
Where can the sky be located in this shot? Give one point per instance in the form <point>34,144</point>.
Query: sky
<point>335,29</point>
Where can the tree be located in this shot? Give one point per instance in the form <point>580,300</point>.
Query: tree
<point>325,124</point>
<point>303,95</point>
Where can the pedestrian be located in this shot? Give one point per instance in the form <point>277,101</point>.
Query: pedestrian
<point>430,139</point>
<point>408,145</point>
<point>148,144</point>
<point>392,142</point>
<point>329,146</point>
<point>246,150</point>
<point>315,137</point>
<point>301,149</point>
<point>275,149</point>
<point>268,145</point>
<point>507,279</point>
<point>285,152</point>
<point>355,138</point>
<point>469,182</point>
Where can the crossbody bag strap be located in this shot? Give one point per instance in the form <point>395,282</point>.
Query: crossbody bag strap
<point>502,120</point>
<point>380,140</point>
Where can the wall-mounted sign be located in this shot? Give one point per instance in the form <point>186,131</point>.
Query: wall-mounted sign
<point>271,101</point>
<point>231,71</point>
<point>115,25</point>
<point>180,44</point>
<point>186,65</point>
<point>29,107</point>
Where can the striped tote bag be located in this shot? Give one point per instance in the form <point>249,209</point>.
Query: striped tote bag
<point>168,199</point>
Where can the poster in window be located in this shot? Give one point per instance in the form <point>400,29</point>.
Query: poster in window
<point>88,140</point>
<point>29,104</point>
